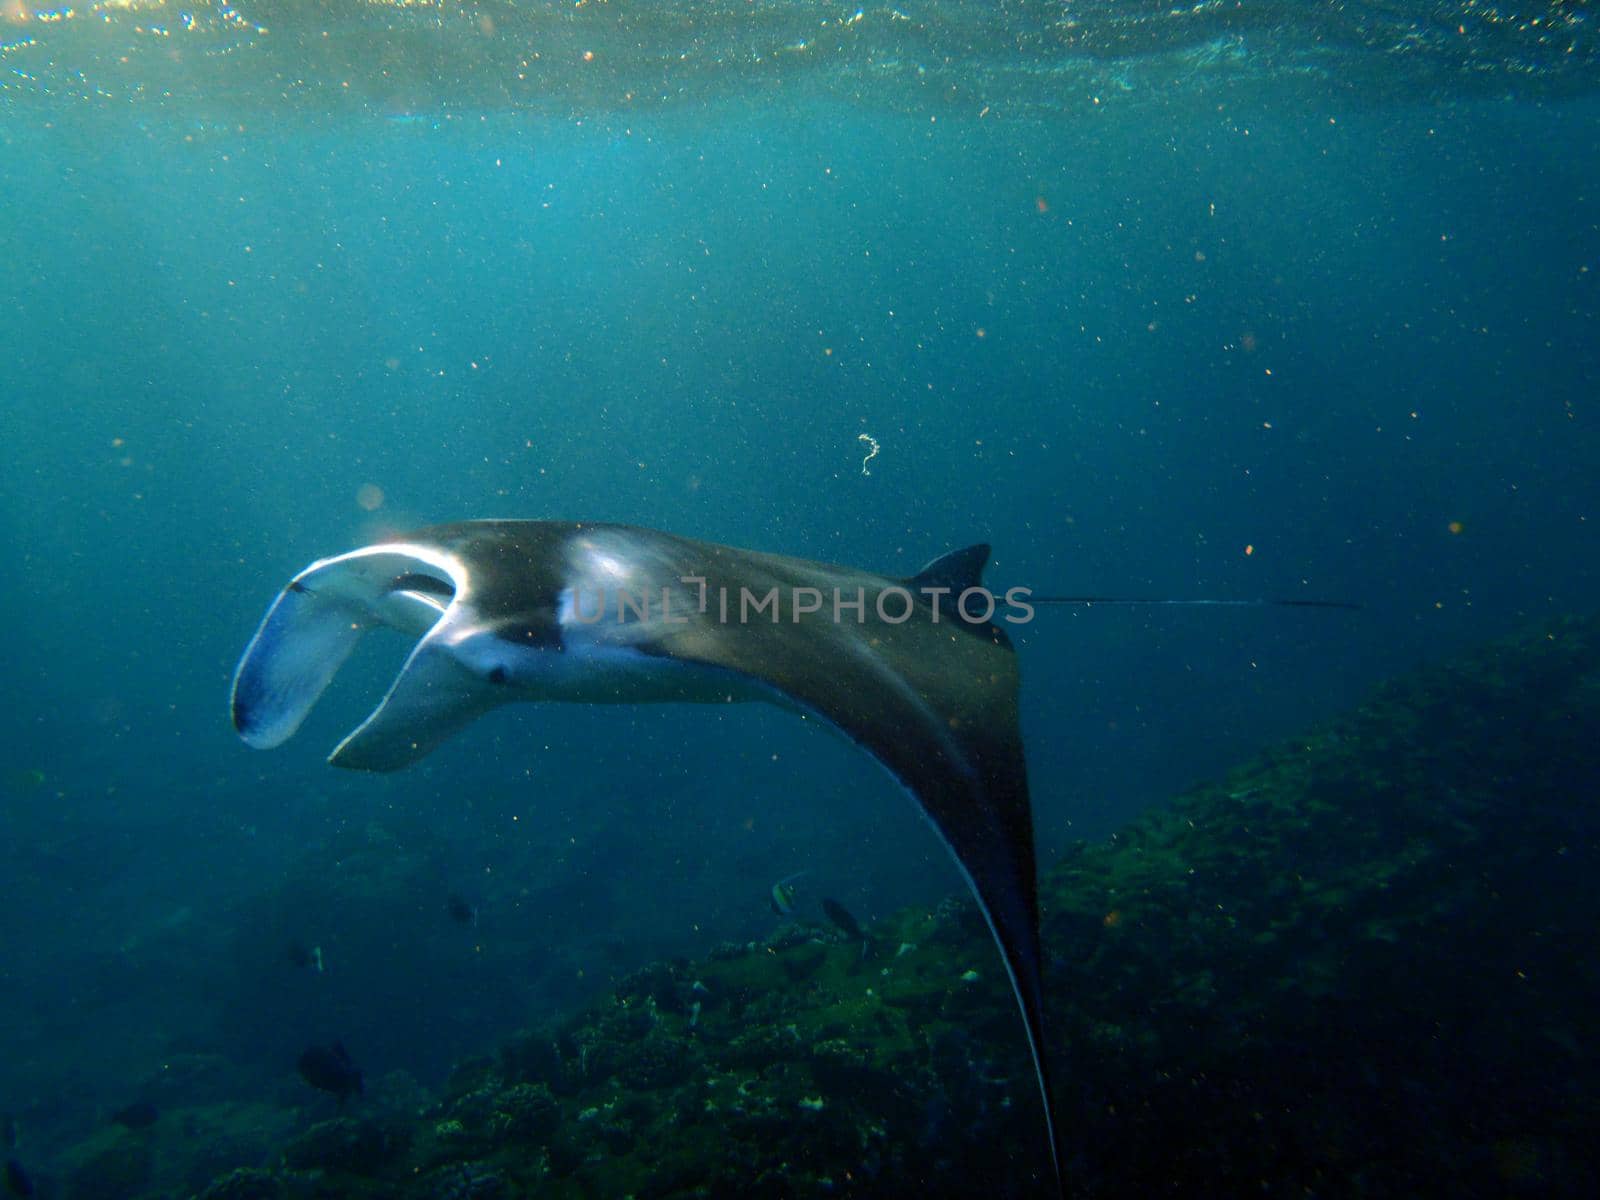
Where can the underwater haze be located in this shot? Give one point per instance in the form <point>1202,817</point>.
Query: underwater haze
<point>1243,301</point>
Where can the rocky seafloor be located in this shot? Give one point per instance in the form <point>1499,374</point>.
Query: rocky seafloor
<point>1363,963</point>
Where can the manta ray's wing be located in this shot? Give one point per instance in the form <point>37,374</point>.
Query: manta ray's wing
<point>936,703</point>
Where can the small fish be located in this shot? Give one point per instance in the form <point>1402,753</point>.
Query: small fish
<point>141,1114</point>
<point>782,894</point>
<point>842,917</point>
<point>300,956</point>
<point>846,923</point>
<point>331,1069</point>
<point>460,911</point>
<point>18,1182</point>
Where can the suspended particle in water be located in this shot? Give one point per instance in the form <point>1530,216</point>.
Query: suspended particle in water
<point>871,444</point>
<point>370,497</point>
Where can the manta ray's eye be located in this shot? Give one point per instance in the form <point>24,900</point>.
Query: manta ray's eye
<point>498,675</point>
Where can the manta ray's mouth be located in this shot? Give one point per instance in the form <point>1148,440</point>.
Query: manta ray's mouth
<point>321,615</point>
<point>427,589</point>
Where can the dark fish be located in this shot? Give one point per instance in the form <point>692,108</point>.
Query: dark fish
<point>330,1069</point>
<point>17,1181</point>
<point>846,923</point>
<point>841,917</point>
<point>141,1114</point>
<point>302,956</point>
<point>460,911</point>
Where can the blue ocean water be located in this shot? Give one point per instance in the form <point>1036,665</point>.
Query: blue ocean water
<point>1257,337</point>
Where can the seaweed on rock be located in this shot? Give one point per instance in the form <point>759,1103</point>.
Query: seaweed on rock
<point>1360,964</point>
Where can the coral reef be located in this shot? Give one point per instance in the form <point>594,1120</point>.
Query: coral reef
<point>1361,964</point>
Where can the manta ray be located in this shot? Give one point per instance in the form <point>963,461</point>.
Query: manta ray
<point>506,611</point>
